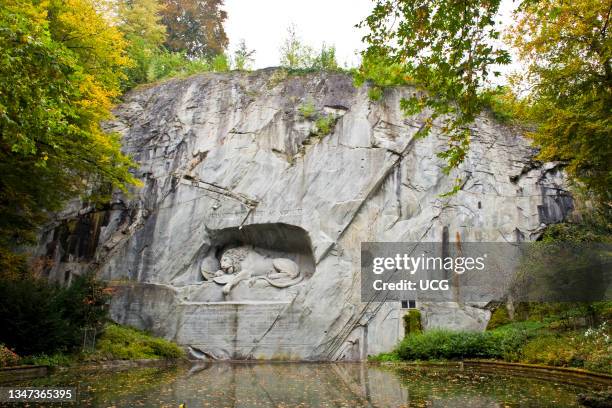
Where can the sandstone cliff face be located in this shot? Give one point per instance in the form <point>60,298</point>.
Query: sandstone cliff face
<point>235,159</point>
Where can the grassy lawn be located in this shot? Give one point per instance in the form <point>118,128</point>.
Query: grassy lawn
<point>563,340</point>
<point>116,343</point>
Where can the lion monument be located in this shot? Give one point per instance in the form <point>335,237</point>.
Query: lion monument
<point>243,262</point>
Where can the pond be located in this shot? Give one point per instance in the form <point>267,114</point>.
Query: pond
<point>313,385</point>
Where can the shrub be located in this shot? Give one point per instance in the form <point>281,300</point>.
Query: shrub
<point>325,60</point>
<point>307,110</point>
<point>551,350</point>
<point>590,349</point>
<point>37,317</point>
<point>539,342</point>
<point>442,344</point>
<point>53,360</point>
<point>499,317</point>
<point>449,345</point>
<point>412,322</point>
<point>595,346</point>
<point>85,302</point>
<point>324,125</point>
<point>375,93</point>
<point>243,57</point>
<point>603,310</point>
<point>167,64</point>
<point>30,318</point>
<point>8,357</point>
<point>300,58</point>
<point>294,54</point>
<point>220,63</point>
<point>380,73</point>
<point>165,349</point>
<point>503,104</point>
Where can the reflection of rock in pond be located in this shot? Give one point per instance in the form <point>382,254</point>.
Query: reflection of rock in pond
<point>246,385</point>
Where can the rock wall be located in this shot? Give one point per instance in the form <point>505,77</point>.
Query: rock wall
<point>238,159</point>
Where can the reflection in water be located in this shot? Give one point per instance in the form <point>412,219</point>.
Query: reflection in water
<point>311,385</point>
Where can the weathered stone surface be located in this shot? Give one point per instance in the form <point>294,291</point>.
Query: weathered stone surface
<point>227,159</point>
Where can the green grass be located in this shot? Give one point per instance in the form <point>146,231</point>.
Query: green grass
<point>385,357</point>
<point>116,343</point>
<point>126,343</point>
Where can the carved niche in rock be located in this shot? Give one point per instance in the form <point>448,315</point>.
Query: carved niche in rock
<point>245,263</point>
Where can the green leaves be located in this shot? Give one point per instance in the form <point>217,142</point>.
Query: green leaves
<point>567,50</point>
<point>448,50</point>
<point>39,317</point>
<point>140,23</point>
<point>52,99</point>
<point>297,56</point>
<point>243,56</point>
<point>442,47</point>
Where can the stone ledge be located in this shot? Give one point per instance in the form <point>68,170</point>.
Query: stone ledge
<point>564,372</point>
<point>124,364</point>
<point>22,372</point>
<point>238,303</point>
<point>578,372</point>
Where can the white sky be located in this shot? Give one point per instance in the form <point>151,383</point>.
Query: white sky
<point>263,24</point>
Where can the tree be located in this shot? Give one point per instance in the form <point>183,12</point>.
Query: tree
<point>39,317</point>
<point>58,79</point>
<point>294,54</point>
<point>566,49</point>
<point>195,27</point>
<point>98,46</point>
<point>140,22</point>
<point>142,19</point>
<point>297,55</point>
<point>243,57</point>
<point>31,321</point>
<point>326,59</point>
<point>444,47</point>
<point>449,50</point>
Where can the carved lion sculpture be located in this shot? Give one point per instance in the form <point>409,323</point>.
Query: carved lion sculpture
<point>241,263</point>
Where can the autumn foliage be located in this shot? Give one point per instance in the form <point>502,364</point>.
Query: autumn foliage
<point>58,81</point>
<point>195,27</point>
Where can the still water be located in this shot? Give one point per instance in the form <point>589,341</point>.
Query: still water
<point>313,385</point>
